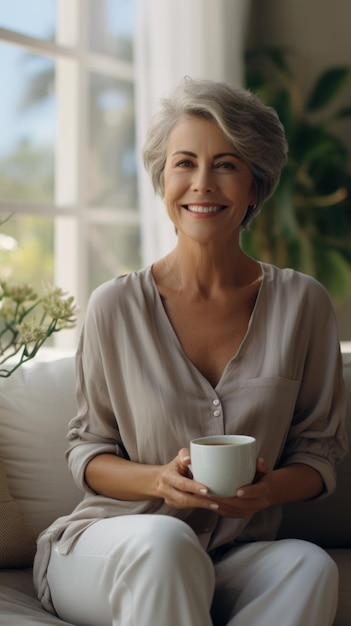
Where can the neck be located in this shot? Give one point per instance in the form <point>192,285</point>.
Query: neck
<point>200,271</point>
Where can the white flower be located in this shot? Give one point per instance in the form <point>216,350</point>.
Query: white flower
<point>21,332</point>
<point>58,307</point>
<point>31,332</point>
<point>18,293</point>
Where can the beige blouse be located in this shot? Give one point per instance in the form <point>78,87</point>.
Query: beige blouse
<point>140,397</point>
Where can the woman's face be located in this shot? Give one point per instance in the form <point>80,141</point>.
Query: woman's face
<point>207,187</point>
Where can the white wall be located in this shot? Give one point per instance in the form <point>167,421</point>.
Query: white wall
<point>175,38</point>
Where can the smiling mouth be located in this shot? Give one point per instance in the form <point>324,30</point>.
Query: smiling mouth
<point>199,208</point>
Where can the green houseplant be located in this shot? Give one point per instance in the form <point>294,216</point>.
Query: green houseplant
<point>306,224</point>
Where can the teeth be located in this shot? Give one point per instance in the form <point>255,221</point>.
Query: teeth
<point>196,208</point>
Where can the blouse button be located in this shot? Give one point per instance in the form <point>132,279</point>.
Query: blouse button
<point>215,402</point>
<point>217,413</point>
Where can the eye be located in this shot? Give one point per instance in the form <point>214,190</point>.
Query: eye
<point>225,165</point>
<point>184,163</point>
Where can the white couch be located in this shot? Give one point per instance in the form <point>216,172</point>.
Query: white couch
<point>36,403</point>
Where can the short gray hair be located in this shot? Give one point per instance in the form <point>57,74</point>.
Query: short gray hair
<point>252,128</point>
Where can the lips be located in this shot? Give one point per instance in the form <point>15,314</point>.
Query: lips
<point>200,208</point>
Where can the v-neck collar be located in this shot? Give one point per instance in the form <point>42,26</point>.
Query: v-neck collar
<point>170,332</point>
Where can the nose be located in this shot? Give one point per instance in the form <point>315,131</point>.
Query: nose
<point>203,180</point>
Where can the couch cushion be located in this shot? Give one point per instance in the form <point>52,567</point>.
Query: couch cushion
<point>17,546</point>
<point>326,522</point>
<point>36,403</point>
<point>343,560</point>
<point>19,605</point>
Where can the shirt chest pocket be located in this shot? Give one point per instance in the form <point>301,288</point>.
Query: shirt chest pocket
<point>263,408</point>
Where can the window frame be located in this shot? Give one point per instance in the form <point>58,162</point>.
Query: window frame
<point>71,211</point>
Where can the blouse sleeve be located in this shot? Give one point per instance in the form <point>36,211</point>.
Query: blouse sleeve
<point>317,436</point>
<point>94,429</point>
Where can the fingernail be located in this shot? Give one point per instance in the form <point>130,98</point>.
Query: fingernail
<point>240,493</point>
<point>214,506</point>
<point>185,458</point>
<point>204,491</point>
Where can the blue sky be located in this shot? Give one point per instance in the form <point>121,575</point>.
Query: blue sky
<point>32,17</point>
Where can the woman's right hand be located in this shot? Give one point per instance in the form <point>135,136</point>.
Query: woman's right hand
<point>115,477</point>
<point>177,488</point>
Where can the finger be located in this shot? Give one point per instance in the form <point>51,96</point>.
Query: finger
<point>189,485</point>
<point>190,494</point>
<point>258,488</point>
<point>261,465</point>
<point>250,492</point>
<point>184,456</point>
<point>261,469</point>
<point>177,475</point>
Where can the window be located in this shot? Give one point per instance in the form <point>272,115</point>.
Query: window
<point>67,155</point>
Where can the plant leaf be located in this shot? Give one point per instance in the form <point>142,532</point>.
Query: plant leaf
<point>327,86</point>
<point>344,112</point>
<point>334,272</point>
<point>277,56</point>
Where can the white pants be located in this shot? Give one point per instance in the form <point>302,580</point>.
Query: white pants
<point>150,570</point>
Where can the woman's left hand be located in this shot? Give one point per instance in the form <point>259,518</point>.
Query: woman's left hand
<point>249,499</point>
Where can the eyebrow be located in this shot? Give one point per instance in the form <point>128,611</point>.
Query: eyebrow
<point>216,156</point>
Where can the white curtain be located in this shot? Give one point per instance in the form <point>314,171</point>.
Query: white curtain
<point>175,38</point>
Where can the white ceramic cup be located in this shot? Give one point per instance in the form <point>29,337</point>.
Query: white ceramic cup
<point>223,463</point>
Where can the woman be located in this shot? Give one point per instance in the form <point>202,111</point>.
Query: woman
<point>206,341</point>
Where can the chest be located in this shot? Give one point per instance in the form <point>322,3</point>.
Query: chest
<point>211,331</point>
